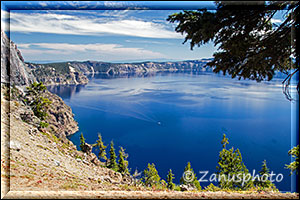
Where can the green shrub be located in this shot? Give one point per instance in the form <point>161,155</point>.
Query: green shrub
<point>43,124</point>
<point>177,188</point>
<point>212,188</point>
<point>36,101</point>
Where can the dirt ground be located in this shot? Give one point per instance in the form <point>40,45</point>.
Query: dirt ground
<point>145,195</point>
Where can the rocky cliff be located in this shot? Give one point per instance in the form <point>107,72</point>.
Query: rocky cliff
<point>96,67</point>
<point>73,72</point>
<point>60,117</point>
<point>57,74</point>
<point>13,69</point>
<point>16,72</point>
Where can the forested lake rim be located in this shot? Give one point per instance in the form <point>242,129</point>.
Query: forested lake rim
<point>172,118</point>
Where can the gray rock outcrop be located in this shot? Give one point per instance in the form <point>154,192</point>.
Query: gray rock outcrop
<point>60,117</point>
<point>13,69</point>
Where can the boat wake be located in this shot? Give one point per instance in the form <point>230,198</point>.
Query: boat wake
<point>128,111</point>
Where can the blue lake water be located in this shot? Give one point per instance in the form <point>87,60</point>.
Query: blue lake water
<point>172,118</point>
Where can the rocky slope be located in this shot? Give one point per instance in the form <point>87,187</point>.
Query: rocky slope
<point>34,157</point>
<point>38,160</point>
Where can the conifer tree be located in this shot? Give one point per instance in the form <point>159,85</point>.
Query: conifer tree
<point>123,163</point>
<point>190,177</point>
<point>294,166</point>
<point>263,180</point>
<point>224,141</point>
<point>82,142</point>
<point>151,177</point>
<point>112,159</point>
<point>231,168</point>
<point>35,99</point>
<point>249,44</point>
<point>101,148</point>
<point>170,178</point>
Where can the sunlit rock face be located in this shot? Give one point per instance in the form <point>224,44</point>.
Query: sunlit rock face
<point>13,69</point>
<point>57,74</point>
<point>16,72</point>
<point>91,67</point>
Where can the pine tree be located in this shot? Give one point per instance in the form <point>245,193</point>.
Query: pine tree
<point>112,159</point>
<point>190,177</point>
<point>294,166</point>
<point>151,177</point>
<point>123,163</point>
<point>231,167</point>
<point>170,178</point>
<point>243,51</point>
<point>101,148</point>
<point>263,180</point>
<point>224,141</point>
<point>35,99</point>
<point>82,142</point>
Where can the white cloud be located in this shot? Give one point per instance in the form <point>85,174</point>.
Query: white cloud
<point>4,17</point>
<point>148,42</point>
<point>95,51</point>
<point>43,4</point>
<point>83,25</point>
<point>276,20</point>
<point>113,4</point>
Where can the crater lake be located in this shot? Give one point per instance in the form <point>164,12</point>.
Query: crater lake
<point>170,119</point>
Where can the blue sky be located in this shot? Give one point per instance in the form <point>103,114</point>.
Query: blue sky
<point>104,31</point>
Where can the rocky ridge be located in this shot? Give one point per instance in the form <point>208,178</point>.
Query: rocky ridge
<point>73,72</point>
<point>91,67</point>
